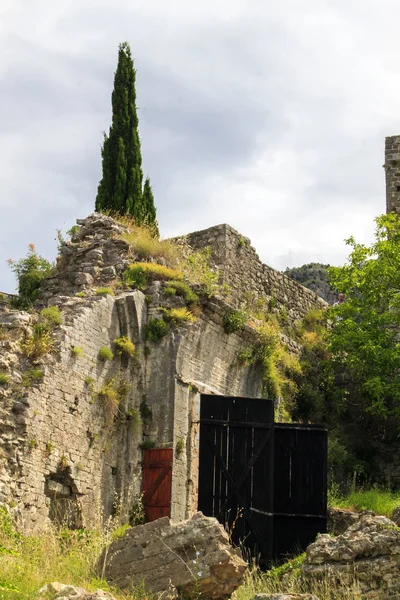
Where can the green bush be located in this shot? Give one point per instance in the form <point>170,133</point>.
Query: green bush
<point>51,315</point>
<point>124,346</point>
<point>30,272</point>
<point>105,354</point>
<point>180,288</point>
<point>76,351</point>
<point>234,320</point>
<point>4,378</point>
<point>156,329</point>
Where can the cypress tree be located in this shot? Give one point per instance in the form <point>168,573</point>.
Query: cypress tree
<point>120,188</point>
<point>148,208</point>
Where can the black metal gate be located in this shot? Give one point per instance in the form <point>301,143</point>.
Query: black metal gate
<point>265,482</point>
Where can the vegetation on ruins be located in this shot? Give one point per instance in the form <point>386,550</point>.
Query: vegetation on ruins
<point>156,329</point>
<point>4,378</point>
<point>124,346</point>
<point>175,316</point>
<point>105,354</point>
<point>51,315</point>
<point>111,394</point>
<point>138,275</point>
<point>30,272</point>
<point>120,189</point>
<point>104,291</point>
<point>181,288</point>
<point>234,320</point>
<point>77,351</point>
<point>38,343</point>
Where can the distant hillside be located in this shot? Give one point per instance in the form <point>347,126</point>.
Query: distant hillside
<point>314,277</point>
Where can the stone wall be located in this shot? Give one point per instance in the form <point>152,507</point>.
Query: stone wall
<point>392,172</point>
<point>62,456</point>
<point>248,278</point>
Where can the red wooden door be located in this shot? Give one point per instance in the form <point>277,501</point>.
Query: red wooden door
<point>157,483</point>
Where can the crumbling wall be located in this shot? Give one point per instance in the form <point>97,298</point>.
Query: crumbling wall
<point>60,445</point>
<point>248,278</point>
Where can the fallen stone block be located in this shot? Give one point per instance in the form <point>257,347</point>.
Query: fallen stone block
<point>189,557</point>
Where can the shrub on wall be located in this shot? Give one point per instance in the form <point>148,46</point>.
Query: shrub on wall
<point>124,346</point>
<point>105,354</point>
<point>139,274</point>
<point>179,315</point>
<point>30,272</point>
<point>180,288</point>
<point>156,329</point>
<point>234,320</point>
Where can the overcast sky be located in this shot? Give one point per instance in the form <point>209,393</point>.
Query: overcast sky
<point>269,115</point>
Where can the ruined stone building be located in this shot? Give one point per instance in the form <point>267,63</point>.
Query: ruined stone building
<point>58,440</point>
<point>60,436</point>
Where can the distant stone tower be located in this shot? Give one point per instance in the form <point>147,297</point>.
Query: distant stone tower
<point>392,170</point>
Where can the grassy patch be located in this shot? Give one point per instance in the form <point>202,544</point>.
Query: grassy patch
<point>179,315</point>
<point>113,392</point>
<point>234,320</point>
<point>51,315</point>
<point>124,346</point>
<point>138,275</point>
<point>104,291</point>
<point>379,500</point>
<point>38,343</point>
<point>180,288</point>
<point>4,378</point>
<point>29,562</point>
<point>105,354</point>
<point>77,351</point>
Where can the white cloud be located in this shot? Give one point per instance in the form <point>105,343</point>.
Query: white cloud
<point>269,116</point>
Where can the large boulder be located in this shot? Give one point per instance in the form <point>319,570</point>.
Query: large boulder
<point>192,556</point>
<point>365,557</point>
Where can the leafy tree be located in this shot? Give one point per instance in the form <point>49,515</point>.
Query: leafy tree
<point>148,208</point>
<point>364,339</point>
<point>30,271</point>
<point>120,188</point>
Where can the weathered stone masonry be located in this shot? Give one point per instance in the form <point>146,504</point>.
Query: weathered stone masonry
<point>392,172</point>
<point>56,440</point>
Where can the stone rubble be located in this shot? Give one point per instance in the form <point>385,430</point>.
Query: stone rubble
<point>62,591</point>
<point>189,557</point>
<point>285,597</point>
<point>368,551</point>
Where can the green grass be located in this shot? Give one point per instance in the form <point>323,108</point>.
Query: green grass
<point>379,500</point>
<point>52,315</point>
<point>271,582</point>
<point>4,378</point>
<point>77,351</point>
<point>104,291</point>
<point>29,562</point>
